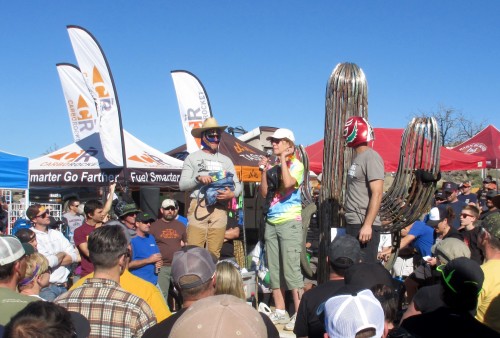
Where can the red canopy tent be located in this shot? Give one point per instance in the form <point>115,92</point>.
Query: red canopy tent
<point>388,143</point>
<point>486,143</point>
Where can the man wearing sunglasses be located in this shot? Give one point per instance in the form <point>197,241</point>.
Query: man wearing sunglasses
<point>72,217</point>
<point>203,168</point>
<point>170,236</point>
<point>55,247</point>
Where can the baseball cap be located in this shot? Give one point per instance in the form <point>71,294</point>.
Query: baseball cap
<point>436,215</point>
<point>487,180</point>
<point>169,203</point>
<point>11,249</point>
<point>346,315</point>
<point>219,316</point>
<point>344,251</point>
<point>123,208</point>
<point>439,196</point>
<point>463,276</point>
<point>491,223</point>
<point>366,275</point>
<point>28,249</point>
<point>34,210</point>
<point>466,184</point>
<point>192,267</point>
<point>282,133</point>
<point>491,194</point>
<point>145,217</point>
<point>449,187</point>
<point>449,249</point>
<point>81,324</point>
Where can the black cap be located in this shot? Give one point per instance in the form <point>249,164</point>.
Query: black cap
<point>450,186</point>
<point>144,217</point>
<point>344,251</point>
<point>463,276</point>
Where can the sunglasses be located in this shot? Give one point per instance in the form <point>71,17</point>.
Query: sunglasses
<point>465,215</point>
<point>43,215</point>
<point>275,140</point>
<point>213,137</point>
<point>170,208</point>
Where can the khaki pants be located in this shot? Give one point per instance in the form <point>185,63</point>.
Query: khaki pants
<point>206,226</point>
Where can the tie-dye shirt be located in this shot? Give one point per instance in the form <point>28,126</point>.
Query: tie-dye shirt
<point>286,205</point>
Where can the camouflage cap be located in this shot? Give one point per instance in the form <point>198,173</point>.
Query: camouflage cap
<point>123,208</point>
<point>492,224</point>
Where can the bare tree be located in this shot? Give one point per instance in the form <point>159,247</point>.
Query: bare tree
<point>454,126</point>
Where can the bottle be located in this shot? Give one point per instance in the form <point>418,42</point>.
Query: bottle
<point>253,300</point>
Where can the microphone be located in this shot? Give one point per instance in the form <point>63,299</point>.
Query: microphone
<point>269,152</point>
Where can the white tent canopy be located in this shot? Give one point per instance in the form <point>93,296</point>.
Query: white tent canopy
<point>83,163</point>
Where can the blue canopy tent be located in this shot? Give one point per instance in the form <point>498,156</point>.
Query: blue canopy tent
<point>14,175</point>
<point>13,171</point>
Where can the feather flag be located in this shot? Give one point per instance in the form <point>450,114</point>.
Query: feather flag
<point>81,107</point>
<point>194,105</point>
<point>95,70</point>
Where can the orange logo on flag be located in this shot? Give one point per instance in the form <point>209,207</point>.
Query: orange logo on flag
<point>83,109</point>
<point>98,83</point>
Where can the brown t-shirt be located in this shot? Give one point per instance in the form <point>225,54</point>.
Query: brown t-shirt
<point>168,236</point>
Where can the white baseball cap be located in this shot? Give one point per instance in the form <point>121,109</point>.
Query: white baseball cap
<point>282,133</point>
<point>11,249</point>
<point>346,315</point>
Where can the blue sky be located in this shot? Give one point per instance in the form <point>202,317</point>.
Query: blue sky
<point>263,63</point>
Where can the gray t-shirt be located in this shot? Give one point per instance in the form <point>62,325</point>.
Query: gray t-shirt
<point>367,166</point>
<point>73,222</point>
<point>202,163</point>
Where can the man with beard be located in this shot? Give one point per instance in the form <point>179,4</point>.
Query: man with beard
<point>170,236</point>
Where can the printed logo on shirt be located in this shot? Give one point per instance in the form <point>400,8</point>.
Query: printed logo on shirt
<point>209,165</point>
<point>352,170</point>
<point>169,233</point>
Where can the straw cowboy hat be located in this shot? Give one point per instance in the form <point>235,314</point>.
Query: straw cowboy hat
<point>210,123</point>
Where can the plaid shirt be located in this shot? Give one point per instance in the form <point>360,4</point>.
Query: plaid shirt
<point>111,311</point>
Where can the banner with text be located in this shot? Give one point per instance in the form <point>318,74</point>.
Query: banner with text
<point>80,104</point>
<point>95,70</point>
<point>194,105</point>
<point>83,164</point>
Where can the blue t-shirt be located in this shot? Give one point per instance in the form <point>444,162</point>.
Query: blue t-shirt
<point>424,238</point>
<point>143,247</point>
<point>469,198</point>
<point>182,219</point>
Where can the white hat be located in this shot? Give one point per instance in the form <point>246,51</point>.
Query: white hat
<point>11,249</point>
<point>346,315</point>
<point>169,203</point>
<point>434,217</point>
<point>282,133</point>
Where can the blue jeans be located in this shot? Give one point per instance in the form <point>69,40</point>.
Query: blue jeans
<point>51,292</point>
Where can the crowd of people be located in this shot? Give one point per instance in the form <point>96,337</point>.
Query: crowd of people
<point>121,272</point>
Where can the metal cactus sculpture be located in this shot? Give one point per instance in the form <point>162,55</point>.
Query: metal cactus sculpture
<point>409,195</point>
<point>346,96</point>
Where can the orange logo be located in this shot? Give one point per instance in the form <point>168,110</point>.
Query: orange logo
<point>105,99</point>
<point>239,148</point>
<point>147,159</point>
<point>75,156</point>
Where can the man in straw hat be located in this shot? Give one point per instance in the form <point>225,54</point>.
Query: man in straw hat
<point>203,171</point>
